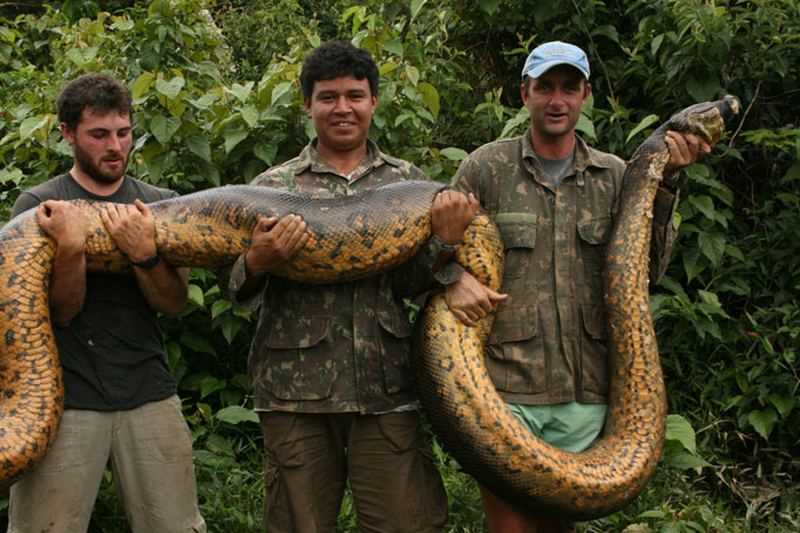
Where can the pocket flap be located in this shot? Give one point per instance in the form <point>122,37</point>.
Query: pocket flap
<point>518,230</point>
<point>394,322</point>
<point>305,333</point>
<point>514,324</point>
<point>594,320</point>
<point>596,230</point>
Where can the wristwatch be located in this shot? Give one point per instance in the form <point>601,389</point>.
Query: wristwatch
<point>440,247</point>
<point>451,271</point>
<point>149,263</point>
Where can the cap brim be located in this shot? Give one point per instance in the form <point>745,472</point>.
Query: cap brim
<point>544,67</point>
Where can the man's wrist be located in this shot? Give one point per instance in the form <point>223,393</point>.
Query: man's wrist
<point>148,263</point>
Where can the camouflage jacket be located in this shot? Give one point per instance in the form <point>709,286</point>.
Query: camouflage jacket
<point>548,344</point>
<point>341,347</point>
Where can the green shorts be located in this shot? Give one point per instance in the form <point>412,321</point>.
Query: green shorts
<point>570,426</point>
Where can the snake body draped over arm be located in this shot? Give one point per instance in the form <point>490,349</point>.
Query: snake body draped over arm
<point>359,236</point>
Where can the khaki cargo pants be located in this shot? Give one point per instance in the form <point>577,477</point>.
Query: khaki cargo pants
<point>387,458</point>
<point>151,456</point>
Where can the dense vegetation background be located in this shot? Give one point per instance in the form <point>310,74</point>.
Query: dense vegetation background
<point>215,86</point>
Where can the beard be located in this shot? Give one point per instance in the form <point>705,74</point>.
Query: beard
<point>85,163</point>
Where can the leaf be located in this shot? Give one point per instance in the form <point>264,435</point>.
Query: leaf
<point>712,244</point>
<point>394,46</point>
<point>141,86</point>
<point>30,125</point>
<point>586,126</point>
<point>644,123</point>
<point>412,73</point>
<point>686,461</point>
<point>233,136</point>
<point>250,115</point>
<point>763,421</point>
<point>704,204</point>
<point>279,94</point>
<point>163,128</point>
<point>241,92</point>
<point>197,343</point>
<point>430,97</point>
<point>266,152</point>
<point>236,414</point>
<point>655,44</point>
<point>198,144</point>
<point>679,429</point>
<point>416,7</point>
<point>210,385</point>
<point>170,88</point>
<point>784,404</point>
<point>219,307</point>
<point>704,88</point>
<point>454,154</point>
<point>195,295</point>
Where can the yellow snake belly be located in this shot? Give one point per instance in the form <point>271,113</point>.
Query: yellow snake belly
<point>355,237</point>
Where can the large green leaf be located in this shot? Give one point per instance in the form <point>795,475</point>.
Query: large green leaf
<point>170,88</point>
<point>236,414</point>
<point>763,421</point>
<point>163,128</point>
<point>679,429</point>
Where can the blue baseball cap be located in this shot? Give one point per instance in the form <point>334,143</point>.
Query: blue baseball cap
<point>548,55</point>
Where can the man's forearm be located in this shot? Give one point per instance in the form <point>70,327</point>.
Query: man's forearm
<point>164,287</point>
<point>67,285</point>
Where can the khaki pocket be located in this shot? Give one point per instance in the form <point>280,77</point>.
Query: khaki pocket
<point>395,339</point>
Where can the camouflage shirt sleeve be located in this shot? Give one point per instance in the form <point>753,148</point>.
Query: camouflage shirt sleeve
<point>233,277</point>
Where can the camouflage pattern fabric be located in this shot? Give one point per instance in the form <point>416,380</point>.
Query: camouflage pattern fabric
<point>548,344</point>
<point>344,347</point>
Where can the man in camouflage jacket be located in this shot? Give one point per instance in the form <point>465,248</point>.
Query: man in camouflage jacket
<point>554,199</point>
<point>331,364</point>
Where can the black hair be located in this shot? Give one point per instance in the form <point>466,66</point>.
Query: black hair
<point>335,59</point>
<point>98,91</point>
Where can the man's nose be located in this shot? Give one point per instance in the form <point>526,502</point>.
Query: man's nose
<point>342,105</point>
<point>114,143</point>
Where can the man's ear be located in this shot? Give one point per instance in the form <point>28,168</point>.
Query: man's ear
<point>523,90</point>
<point>307,105</point>
<point>67,132</point>
<point>587,90</point>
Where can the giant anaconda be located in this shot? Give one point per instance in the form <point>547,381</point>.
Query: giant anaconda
<point>354,237</point>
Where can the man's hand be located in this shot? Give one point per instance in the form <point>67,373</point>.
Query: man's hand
<point>132,228</point>
<point>451,213</point>
<point>64,223</point>
<point>469,300</point>
<point>274,242</point>
<point>684,150</point>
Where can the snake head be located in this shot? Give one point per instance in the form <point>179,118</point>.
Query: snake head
<point>707,120</point>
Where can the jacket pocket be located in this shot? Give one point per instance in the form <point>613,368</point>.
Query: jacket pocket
<point>299,361</point>
<point>518,231</point>
<point>594,349</point>
<point>596,230</point>
<point>516,361</point>
<point>395,339</point>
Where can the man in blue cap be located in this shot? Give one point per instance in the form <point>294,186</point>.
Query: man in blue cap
<point>554,199</point>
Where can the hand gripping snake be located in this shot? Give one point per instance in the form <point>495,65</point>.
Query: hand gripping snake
<point>358,236</point>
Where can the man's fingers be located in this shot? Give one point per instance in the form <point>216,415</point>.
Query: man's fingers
<point>142,207</point>
<point>463,317</point>
<point>496,297</point>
